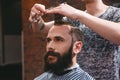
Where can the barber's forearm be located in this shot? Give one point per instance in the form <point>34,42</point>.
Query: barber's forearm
<point>107,29</point>
<point>42,26</point>
<point>48,25</point>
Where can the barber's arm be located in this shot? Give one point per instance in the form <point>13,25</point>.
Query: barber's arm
<point>107,29</point>
<point>37,23</point>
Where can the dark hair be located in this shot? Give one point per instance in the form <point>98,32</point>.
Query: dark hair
<point>75,32</point>
<point>61,20</point>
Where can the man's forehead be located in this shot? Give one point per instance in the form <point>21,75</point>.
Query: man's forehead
<point>64,28</point>
<point>59,31</point>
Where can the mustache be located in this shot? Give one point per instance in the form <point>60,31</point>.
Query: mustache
<point>52,53</point>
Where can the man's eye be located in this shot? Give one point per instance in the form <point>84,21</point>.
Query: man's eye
<point>59,39</point>
<point>48,40</point>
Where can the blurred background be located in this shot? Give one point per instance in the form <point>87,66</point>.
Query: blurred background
<point>10,40</point>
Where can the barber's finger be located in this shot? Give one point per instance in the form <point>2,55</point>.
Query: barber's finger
<point>30,19</point>
<point>59,9</point>
<point>39,7</point>
<point>34,14</point>
<point>53,10</point>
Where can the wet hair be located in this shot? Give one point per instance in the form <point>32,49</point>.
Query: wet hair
<point>75,32</point>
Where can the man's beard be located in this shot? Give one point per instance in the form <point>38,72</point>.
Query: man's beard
<point>62,62</point>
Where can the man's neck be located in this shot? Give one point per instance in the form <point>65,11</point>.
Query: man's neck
<point>73,66</point>
<point>96,8</point>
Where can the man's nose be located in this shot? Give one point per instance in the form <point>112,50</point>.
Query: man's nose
<point>50,46</point>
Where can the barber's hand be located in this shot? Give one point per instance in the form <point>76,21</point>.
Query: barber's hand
<point>36,12</point>
<point>64,9</point>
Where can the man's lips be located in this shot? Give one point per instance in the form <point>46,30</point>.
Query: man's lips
<point>52,59</point>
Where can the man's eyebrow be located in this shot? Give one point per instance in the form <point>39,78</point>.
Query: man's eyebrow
<point>59,37</point>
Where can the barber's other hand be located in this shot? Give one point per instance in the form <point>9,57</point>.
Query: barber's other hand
<point>64,9</point>
<point>36,11</point>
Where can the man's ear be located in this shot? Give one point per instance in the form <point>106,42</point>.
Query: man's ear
<point>77,47</point>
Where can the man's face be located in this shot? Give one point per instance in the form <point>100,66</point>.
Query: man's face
<point>59,49</point>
